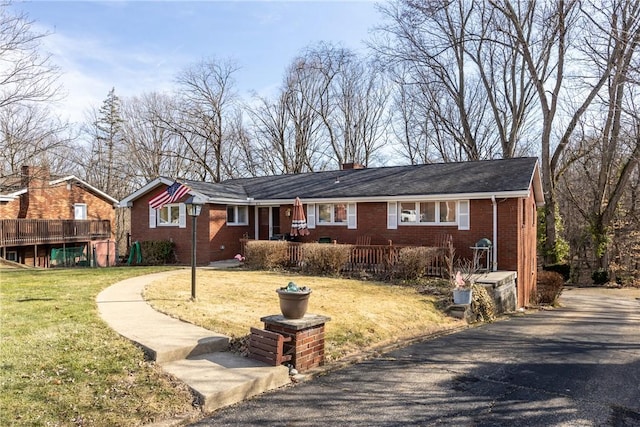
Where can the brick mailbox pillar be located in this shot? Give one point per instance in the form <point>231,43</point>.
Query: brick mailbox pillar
<point>307,338</point>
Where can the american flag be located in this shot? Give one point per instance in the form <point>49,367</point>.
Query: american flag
<point>173,192</point>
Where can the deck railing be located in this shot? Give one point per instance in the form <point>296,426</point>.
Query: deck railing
<point>373,259</point>
<point>19,232</point>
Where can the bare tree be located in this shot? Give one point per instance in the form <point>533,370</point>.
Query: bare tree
<point>603,35</point>
<point>350,97</point>
<point>332,107</point>
<point>534,69</point>
<point>28,135</point>
<point>431,43</point>
<point>288,129</point>
<point>205,113</point>
<point>28,83</point>
<point>152,149</point>
<point>26,75</point>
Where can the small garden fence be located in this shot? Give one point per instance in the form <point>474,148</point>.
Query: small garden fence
<point>378,260</point>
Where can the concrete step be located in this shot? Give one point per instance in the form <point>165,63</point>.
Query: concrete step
<point>221,379</point>
<point>187,346</point>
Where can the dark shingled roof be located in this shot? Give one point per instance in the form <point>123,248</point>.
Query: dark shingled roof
<point>487,176</point>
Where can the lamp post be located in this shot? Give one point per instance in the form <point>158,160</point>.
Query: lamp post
<point>193,210</point>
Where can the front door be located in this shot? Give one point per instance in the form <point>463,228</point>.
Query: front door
<point>275,220</point>
<point>268,222</point>
<point>264,223</point>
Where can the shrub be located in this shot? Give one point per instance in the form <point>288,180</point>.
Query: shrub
<point>600,277</point>
<point>413,262</point>
<point>563,269</point>
<point>322,258</point>
<point>158,252</point>
<point>266,254</point>
<point>549,285</point>
<point>482,305</point>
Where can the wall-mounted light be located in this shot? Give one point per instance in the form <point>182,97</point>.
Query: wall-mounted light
<point>287,212</point>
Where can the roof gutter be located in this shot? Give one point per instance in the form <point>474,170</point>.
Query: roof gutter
<point>365,199</point>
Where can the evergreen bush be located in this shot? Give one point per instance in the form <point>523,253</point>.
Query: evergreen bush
<point>158,252</point>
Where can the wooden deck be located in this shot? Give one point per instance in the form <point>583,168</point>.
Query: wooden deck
<point>23,232</point>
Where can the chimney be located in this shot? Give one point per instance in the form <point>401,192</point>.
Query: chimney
<point>352,165</point>
<point>36,180</point>
<point>34,176</point>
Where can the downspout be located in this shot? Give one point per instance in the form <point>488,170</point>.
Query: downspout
<point>255,222</point>
<point>494,247</point>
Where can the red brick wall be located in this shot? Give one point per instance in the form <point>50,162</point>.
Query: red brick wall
<point>227,236</point>
<point>10,210</point>
<point>56,202</point>
<point>372,221</point>
<point>527,251</point>
<point>306,345</point>
<point>140,231</point>
<point>516,241</point>
<point>211,232</point>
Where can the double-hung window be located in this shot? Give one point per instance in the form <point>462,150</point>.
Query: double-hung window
<point>332,213</point>
<point>237,215</point>
<point>437,212</point>
<point>169,215</point>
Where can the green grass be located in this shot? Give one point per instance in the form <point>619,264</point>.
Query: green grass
<point>60,364</point>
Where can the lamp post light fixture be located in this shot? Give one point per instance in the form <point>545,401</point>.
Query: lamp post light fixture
<point>193,210</point>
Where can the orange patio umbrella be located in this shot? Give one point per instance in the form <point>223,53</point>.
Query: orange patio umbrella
<point>298,220</point>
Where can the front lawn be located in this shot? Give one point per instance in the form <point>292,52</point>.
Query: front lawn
<point>363,314</point>
<point>61,365</point>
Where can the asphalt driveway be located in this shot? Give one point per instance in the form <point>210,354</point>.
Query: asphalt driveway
<point>578,365</point>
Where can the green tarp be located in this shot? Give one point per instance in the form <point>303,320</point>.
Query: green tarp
<point>69,256</point>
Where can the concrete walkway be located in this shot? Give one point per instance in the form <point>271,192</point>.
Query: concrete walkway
<point>194,355</point>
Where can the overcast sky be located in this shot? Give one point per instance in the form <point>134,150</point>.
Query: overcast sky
<point>139,46</point>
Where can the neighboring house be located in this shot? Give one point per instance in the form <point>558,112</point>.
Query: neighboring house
<point>66,217</point>
<point>405,205</point>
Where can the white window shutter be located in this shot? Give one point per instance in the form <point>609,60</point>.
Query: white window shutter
<point>392,215</point>
<point>352,216</point>
<point>152,217</point>
<point>311,215</point>
<point>463,215</point>
<point>182,215</point>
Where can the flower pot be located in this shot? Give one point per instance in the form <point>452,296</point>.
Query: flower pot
<point>462,296</point>
<point>293,305</point>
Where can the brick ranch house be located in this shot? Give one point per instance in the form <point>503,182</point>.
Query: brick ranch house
<point>39,214</point>
<point>405,205</point>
